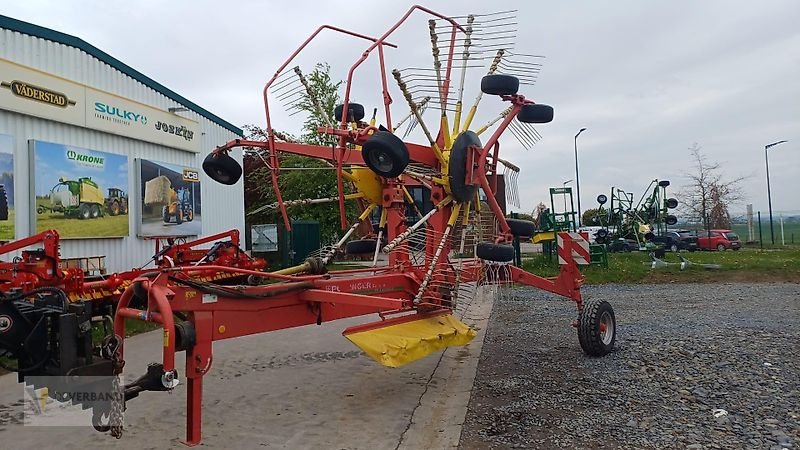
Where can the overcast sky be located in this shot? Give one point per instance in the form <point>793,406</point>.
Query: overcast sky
<point>646,78</point>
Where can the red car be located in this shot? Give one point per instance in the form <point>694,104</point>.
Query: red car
<point>718,240</point>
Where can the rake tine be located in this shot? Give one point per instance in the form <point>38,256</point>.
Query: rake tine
<point>413,106</point>
<point>519,138</point>
<point>529,127</point>
<point>521,126</point>
<point>295,90</point>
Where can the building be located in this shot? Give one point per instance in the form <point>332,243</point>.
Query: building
<point>100,152</point>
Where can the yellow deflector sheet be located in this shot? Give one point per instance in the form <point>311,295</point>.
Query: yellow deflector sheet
<point>397,344</point>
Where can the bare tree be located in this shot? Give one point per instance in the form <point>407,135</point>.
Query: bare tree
<point>705,199</point>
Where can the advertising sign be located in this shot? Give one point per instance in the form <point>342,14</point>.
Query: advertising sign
<point>81,193</point>
<point>29,91</point>
<point>6,187</point>
<point>170,200</point>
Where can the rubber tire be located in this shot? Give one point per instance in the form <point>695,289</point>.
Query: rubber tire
<point>602,199</point>
<point>222,168</point>
<point>165,214</point>
<point>599,240</point>
<point>720,248</point>
<point>361,247</point>
<point>355,112</point>
<point>494,252</point>
<point>178,215</point>
<point>736,249</point>
<point>602,233</point>
<point>84,211</point>
<point>123,206</point>
<point>457,166</point>
<point>672,203</point>
<point>113,209</point>
<point>95,210</point>
<point>499,84</point>
<point>626,248</point>
<point>190,216</point>
<point>671,220</point>
<point>521,228</point>
<point>663,183</point>
<point>535,113</point>
<point>3,203</point>
<point>673,248</point>
<point>389,145</point>
<point>589,328</point>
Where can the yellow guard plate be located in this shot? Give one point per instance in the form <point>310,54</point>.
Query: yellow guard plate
<point>397,344</point>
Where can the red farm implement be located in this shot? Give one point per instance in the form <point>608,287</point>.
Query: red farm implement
<point>426,274</point>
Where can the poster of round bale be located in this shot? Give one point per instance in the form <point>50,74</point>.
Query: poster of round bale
<point>6,187</point>
<point>79,192</point>
<point>170,204</point>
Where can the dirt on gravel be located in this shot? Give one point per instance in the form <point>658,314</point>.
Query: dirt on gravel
<point>694,366</point>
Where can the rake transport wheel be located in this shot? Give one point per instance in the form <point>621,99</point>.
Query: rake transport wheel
<point>521,228</point>
<point>385,154</point>
<point>355,112</point>
<point>361,246</point>
<point>499,84</point>
<point>535,113</point>
<point>494,252</point>
<point>597,328</point>
<point>222,168</point>
<point>457,166</point>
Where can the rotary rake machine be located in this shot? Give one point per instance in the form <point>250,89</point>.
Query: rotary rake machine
<point>425,279</point>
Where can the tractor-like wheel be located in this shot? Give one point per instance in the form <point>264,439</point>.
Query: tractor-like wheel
<point>113,209</point>
<point>521,228</point>
<point>355,112</point>
<point>494,252</point>
<point>602,199</point>
<point>672,203</point>
<point>190,215</point>
<point>499,84</point>
<point>457,166</point>
<point>84,211</point>
<point>3,203</point>
<point>95,210</point>
<point>222,168</point>
<point>178,215</point>
<point>597,328</point>
<point>385,154</point>
<point>671,220</point>
<point>535,113</point>
<point>361,246</point>
<point>165,214</point>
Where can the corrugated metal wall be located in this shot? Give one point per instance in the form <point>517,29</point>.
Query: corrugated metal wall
<point>223,206</point>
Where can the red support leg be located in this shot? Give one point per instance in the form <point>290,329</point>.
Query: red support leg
<point>198,363</point>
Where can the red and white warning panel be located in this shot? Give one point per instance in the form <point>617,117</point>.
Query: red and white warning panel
<point>573,246</point>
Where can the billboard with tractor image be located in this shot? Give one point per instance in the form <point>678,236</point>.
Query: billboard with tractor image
<point>81,193</point>
<point>170,199</point>
<point>6,187</point>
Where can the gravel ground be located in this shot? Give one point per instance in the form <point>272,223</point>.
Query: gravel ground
<point>682,352</point>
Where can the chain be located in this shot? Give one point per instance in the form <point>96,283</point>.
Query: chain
<point>112,349</point>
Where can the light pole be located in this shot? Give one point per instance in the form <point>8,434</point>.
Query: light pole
<point>578,178</point>
<point>769,194</point>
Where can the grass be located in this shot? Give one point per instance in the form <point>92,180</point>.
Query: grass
<point>104,226</point>
<point>7,227</point>
<point>791,231</point>
<point>744,265</point>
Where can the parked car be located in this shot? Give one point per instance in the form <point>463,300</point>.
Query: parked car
<point>623,245</point>
<point>718,240</point>
<point>675,240</point>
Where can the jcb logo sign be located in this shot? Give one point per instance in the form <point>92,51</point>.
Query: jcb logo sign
<point>191,176</point>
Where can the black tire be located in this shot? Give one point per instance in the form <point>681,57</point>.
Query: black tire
<point>671,220</point>
<point>222,168</point>
<point>114,209</point>
<point>385,154</point>
<point>3,203</point>
<point>596,316</point>
<point>673,248</point>
<point>39,210</point>
<point>720,247</point>
<point>600,240</point>
<point>672,203</point>
<point>178,215</point>
<point>355,112</point>
<point>123,209</point>
<point>499,84</point>
<point>663,183</point>
<point>190,215</point>
<point>602,233</point>
<point>84,211</point>
<point>736,249</point>
<point>536,113</point>
<point>361,247</point>
<point>457,166</point>
<point>602,199</point>
<point>95,210</point>
<point>521,228</point>
<point>626,248</point>
<point>165,214</point>
<point>494,252</point>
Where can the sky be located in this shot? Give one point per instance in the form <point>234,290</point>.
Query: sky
<point>51,164</point>
<point>648,79</point>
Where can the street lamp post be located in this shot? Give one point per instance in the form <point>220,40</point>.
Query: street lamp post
<point>769,194</point>
<point>577,178</point>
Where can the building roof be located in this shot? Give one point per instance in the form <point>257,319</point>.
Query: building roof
<point>72,41</point>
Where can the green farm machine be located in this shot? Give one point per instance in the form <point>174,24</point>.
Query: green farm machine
<point>83,198</point>
<point>639,221</point>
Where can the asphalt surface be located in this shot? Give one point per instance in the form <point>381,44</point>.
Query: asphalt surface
<point>695,366</point>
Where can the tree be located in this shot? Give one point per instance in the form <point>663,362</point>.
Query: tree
<point>594,217</point>
<point>316,179</point>
<point>705,199</point>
